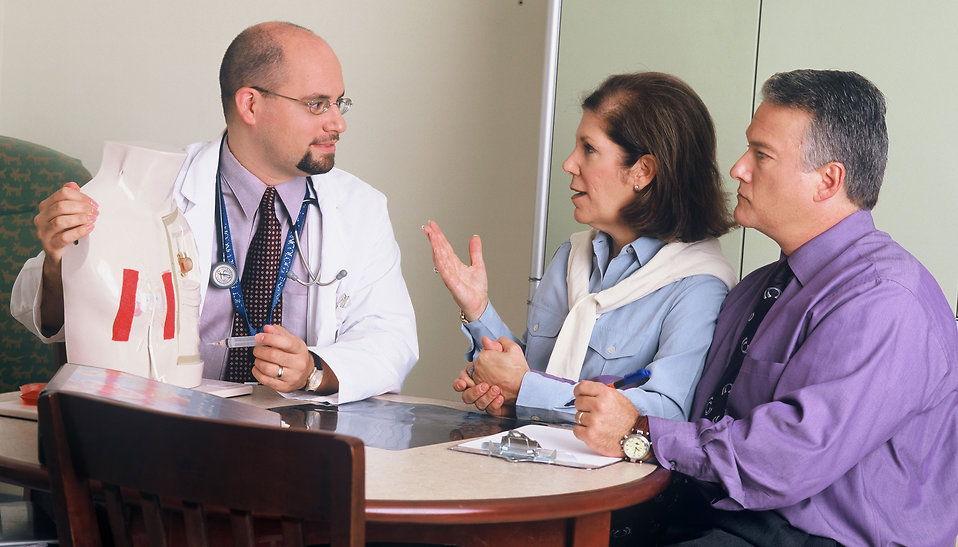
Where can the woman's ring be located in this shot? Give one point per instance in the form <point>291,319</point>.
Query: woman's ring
<point>280,373</point>
<point>578,417</point>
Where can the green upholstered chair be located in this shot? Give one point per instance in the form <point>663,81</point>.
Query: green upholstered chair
<point>29,173</point>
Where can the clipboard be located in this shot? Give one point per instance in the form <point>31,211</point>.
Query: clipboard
<point>569,451</point>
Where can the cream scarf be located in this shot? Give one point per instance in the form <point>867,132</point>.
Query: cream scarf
<point>673,262</point>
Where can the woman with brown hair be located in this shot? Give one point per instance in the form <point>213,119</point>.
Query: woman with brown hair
<point>639,291</point>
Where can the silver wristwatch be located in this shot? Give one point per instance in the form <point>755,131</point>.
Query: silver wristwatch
<point>636,445</point>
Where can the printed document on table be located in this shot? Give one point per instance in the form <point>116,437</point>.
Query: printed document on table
<point>570,451</point>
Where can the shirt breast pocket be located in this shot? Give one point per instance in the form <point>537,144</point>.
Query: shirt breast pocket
<point>294,290</point>
<point>756,382</point>
<point>622,350</point>
<point>543,323</point>
<point>542,329</point>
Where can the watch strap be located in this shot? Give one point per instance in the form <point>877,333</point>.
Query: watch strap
<point>640,427</point>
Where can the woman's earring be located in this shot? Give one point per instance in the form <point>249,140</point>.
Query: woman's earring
<point>636,188</point>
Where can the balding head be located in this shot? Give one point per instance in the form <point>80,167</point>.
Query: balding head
<point>271,74</point>
<point>256,58</point>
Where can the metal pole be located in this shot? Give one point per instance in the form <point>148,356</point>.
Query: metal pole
<point>546,123</point>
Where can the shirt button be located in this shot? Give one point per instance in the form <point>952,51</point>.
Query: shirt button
<point>535,328</point>
<point>612,349</point>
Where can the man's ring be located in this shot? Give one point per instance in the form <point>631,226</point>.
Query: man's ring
<point>578,417</point>
<point>280,373</point>
<point>471,370</point>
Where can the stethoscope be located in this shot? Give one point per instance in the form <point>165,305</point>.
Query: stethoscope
<point>224,274</point>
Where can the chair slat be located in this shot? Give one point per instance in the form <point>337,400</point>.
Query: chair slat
<point>242,525</point>
<point>115,514</point>
<point>194,519</point>
<point>153,519</point>
<point>293,533</point>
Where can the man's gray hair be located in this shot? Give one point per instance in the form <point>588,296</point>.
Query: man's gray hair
<point>847,125</point>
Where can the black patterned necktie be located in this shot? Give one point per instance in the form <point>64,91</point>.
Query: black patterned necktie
<point>716,405</point>
<point>259,281</point>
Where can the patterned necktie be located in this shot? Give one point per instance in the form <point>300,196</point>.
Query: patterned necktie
<point>258,283</point>
<point>715,407</point>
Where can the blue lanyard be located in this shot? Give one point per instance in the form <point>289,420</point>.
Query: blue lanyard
<point>289,251</point>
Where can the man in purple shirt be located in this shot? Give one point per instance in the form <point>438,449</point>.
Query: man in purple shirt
<point>841,424</point>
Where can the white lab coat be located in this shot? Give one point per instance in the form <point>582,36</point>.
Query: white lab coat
<point>363,326</point>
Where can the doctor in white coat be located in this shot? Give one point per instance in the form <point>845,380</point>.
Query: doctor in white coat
<point>360,333</point>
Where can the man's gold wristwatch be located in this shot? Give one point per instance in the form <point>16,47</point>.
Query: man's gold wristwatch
<point>316,377</point>
<point>637,446</point>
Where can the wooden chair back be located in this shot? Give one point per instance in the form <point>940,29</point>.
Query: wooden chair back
<point>185,475</point>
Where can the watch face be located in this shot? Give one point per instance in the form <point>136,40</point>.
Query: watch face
<point>315,378</point>
<point>636,447</point>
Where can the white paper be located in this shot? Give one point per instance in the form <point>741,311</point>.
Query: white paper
<point>224,389</point>
<point>312,397</point>
<point>570,451</point>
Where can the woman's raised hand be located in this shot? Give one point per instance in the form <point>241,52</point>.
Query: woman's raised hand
<point>468,285</point>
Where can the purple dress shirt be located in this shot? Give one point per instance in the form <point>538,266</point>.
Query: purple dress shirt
<point>844,417</point>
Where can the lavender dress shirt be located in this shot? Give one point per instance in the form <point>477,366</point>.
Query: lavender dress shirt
<point>242,192</point>
<point>844,417</point>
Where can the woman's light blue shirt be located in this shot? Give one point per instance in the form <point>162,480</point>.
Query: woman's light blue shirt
<point>667,331</point>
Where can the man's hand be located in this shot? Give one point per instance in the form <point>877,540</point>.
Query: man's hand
<point>604,415</point>
<point>62,219</point>
<point>280,349</point>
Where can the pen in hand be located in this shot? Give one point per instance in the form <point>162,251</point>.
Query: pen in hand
<point>640,377</point>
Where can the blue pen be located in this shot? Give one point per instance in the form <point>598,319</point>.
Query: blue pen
<point>640,377</point>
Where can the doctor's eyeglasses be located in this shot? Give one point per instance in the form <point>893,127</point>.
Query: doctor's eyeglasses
<point>316,106</point>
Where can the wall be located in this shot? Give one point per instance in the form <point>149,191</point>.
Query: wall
<point>909,53</point>
<point>725,50</point>
<point>445,121</point>
<point>710,45</point>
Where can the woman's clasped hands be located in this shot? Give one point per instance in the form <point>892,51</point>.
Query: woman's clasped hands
<point>492,382</point>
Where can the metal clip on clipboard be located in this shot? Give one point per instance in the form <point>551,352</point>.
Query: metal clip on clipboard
<point>518,447</point>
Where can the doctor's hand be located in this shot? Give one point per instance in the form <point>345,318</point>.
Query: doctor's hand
<point>281,350</point>
<point>62,219</point>
<point>603,416</point>
<point>467,284</point>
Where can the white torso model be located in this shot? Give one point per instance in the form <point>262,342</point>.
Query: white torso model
<point>131,289</point>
